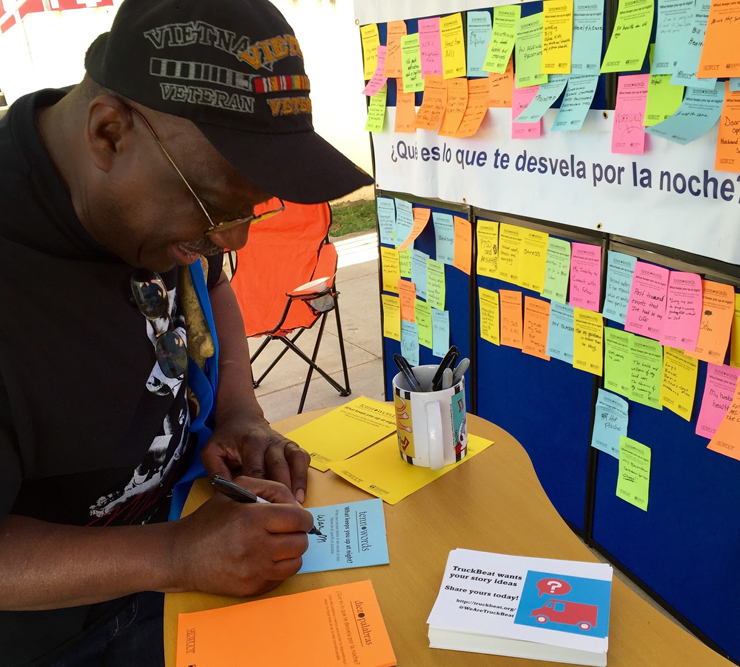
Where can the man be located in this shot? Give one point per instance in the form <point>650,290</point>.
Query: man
<point>191,115</point>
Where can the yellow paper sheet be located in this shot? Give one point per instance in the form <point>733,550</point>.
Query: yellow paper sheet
<point>557,36</point>
<point>678,388</point>
<point>487,236</point>
<point>463,256</point>
<point>392,68</point>
<point>382,472</point>
<point>391,269</point>
<point>489,315</point>
<point>588,341</point>
<point>370,44</point>
<point>533,261</point>
<point>510,245</point>
<point>343,432</point>
<point>663,99</point>
<point>391,317</point>
<point>633,481</point>
<point>453,46</point>
<point>735,344</point>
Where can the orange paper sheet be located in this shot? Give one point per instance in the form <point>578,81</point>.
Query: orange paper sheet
<point>457,102</point>
<point>476,109</point>
<point>421,218</point>
<point>433,103</point>
<point>718,310</point>
<point>511,318</point>
<point>392,68</point>
<point>407,294</point>
<point>726,439</point>
<point>405,110</point>
<point>463,255</point>
<point>339,625</point>
<point>719,55</point>
<point>536,326</point>
<point>501,87</point>
<point>728,140</point>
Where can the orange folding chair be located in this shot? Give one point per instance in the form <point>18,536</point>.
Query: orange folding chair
<point>284,283</point>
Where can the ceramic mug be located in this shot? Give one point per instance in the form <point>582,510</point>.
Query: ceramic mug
<point>431,425</point>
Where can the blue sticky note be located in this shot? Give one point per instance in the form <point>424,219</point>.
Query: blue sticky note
<point>419,272</point>
<point>690,54</point>
<point>588,36</point>
<point>610,422</point>
<point>440,332</point>
<point>576,103</point>
<point>410,342</point>
<point>698,113</point>
<point>386,219</point>
<point>444,231</point>
<point>546,96</point>
<point>479,34</point>
<point>675,18</point>
<point>619,272</point>
<point>735,85</point>
<point>560,332</point>
<point>353,535</point>
<point>404,221</point>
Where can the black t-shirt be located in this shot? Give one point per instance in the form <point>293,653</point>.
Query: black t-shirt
<point>91,432</point>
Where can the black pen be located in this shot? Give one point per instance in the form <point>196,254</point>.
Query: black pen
<point>405,368</point>
<point>450,357</point>
<point>242,495</point>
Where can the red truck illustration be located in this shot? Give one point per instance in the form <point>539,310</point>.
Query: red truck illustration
<point>571,613</point>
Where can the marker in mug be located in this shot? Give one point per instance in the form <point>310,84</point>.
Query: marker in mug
<point>447,378</point>
<point>446,360</point>
<point>405,368</point>
<point>460,370</point>
<point>242,495</point>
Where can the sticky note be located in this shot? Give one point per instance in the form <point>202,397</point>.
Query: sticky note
<point>528,46</point>
<point>683,311</point>
<point>386,219</point>
<point>487,238</point>
<point>378,79</point>
<point>618,361</point>
<point>393,65</point>
<point>501,87</point>
<point>420,215</point>
<point>735,84</point>
<point>521,99</point>
<point>611,420</point>
<point>463,244</point>
<point>629,114</point>
<point>619,272</point>
<point>479,34</point>
<point>405,110</point>
<point>719,391</point>
<point>726,439</point>
<point>557,36</point>
<point>404,221</point>
<point>391,317</point>
<point>501,43</point>
<point>698,113</point>
<point>629,41</point>
<point>678,385</point>
<point>718,310</point>
<point>430,46</point>
<point>547,94</point>
<point>647,371</point>
<point>533,261</point>
<point>687,66</point>
<point>633,479</point>
<point>674,18</point>
<point>536,325</point>
<point>404,259</point>
<point>719,55</point>
<point>433,104</point>
<point>577,101</point>
<point>557,270</point>
<point>663,99</point>
<point>407,296</point>
<point>588,34</point>
<point>376,111</point>
<point>475,111</point>
<point>728,139</point>
<point>511,318</point>
<point>419,272</point>
<point>410,342</point>
<point>440,332</point>
<point>511,244</point>
<point>391,269</point>
<point>444,233</point>
<point>647,304</point>
<point>453,46</point>
<point>560,332</point>
<point>585,276</point>
<point>370,43</point>
<point>411,64</point>
<point>457,102</point>
<point>735,342</point>
<point>424,322</point>
<point>489,315</point>
<point>436,284</point>
<point>588,341</point>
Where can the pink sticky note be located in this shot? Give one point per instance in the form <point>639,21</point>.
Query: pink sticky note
<point>719,390</point>
<point>520,100</point>
<point>430,46</point>
<point>647,304</point>
<point>683,311</point>
<point>377,80</point>
<point>627,134</point>
<point>585,276</point>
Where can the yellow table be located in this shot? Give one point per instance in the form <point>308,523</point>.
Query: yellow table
<point>492,503</point>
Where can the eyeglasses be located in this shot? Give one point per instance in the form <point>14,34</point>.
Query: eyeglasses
<point>213,227</point>
<point>150,294</point>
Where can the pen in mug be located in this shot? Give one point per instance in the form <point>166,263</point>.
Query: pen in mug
<point>405,369</point>
<point>437,379</point>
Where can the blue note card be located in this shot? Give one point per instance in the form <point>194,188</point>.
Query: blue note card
<point>479,34</point>
<point>444,231</point>
<point>735,84</point>
<point>560,332</point>
<point>610,422</point>
<point>404,221</point>
<point>353,535</point>
<point>698,113</point>
<point>440,332</point>
<point>675,18</point>
<point>419,272</point>
<point>546,96</point>
<point>688,58</point>
<point>386,219</point>
<point>576,103</point>
<point>620,270</point>
<point>588,35</point>
<point>410,342</point>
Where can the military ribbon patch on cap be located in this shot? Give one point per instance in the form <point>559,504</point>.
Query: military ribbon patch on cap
<point>273,84</point>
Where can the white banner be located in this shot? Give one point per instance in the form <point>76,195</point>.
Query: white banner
<point>382,11</point>
<point>669,196</point>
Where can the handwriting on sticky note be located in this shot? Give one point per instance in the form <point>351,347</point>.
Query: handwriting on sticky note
<point>370,43</point>
<point>501,87</point>
<point>646,372</point>
<point>489,315</point>
<point>536,323</point>
<point>557,36</point>
<point>444,233</point>
<point>378,78</point>
<point>629,114</point>
<point>453,46</point>
<point>618,361</point>
<point>393,68</point>
<point>411,64</point>
<point>588,341</point>
<point>560,332</point>
<point>501,44</point>
<point>633,480</point>
<point>424,323</point>
<point>391,269</point>
<point>611,419</point>
<point>436,286</point>
<point>376,111</point>
<point>487,238</point>
<point>421,217</point>
<point>683,311</point>
<point>457,102</point>
<point>557,270</point>
<point>391,317</point>
<point>647,304</point>
<point>440,332</point>
<point>433,104</point>
<point>718,309</point>
<point>407,295</point>
<point>719,390</point>
<point>678,386</point>
<point>620,269</point>
<point>629,40</point>
<point>726,440</point>
<point>430,46</point>
<point>585,276</point>
<point>511,318</point>
<point>463,244</point>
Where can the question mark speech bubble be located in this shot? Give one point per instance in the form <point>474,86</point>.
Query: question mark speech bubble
<point>553,587</point>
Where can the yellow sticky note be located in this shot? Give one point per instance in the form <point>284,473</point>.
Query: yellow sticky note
<point>489,315</point>
<point>678,387</point>
<point>510,244</point>
<point>391,264</point>
<point>557,36</point>
<point>343,432</point>
<point>663,99</point>
<point>453,46</point>
<point>391,317</point>
<point>424,323</point>
<point>533,261</point>
<point>487,236</point>
<point>633,480</point>
<point>735,344</point>
<point>376,110</point>
<point>630,37</point>
<point>463,257</point>
<point>370,44</point>
<point>588,341</point>
<point>382,472</point>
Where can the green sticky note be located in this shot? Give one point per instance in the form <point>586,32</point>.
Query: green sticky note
<point>376,111</point>
<point>647,371</point>
<point>557,270</point>
<point>529,51</point>
<point>405,258</point>
<point>411,62</point>
<point>633,481</point>
<point>423,313</point>
<point>618,361</point>
<point>663,99</point>
<point>503,34</point>
<point>436,284</point>
<point>629,42</point>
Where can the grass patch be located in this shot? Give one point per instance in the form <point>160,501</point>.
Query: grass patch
<point>358,216</point>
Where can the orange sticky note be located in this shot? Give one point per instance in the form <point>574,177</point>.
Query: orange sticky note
<point>501,87</point>
<point>536,326</point>
<point>476,110</point>
<point>405,110</point>
<point>719,54</point>
<point>728,140</point>
<point>261,632</point>
<point>433,104</point>
<point>735,344</point>
<point>392,68</point>
<point>511,318</point>
<point>718,311</point>
<point>457,102</point>
<point>407,294</point>
<point>726,439</point>
<point>421,217</point>
<point>463,255</point>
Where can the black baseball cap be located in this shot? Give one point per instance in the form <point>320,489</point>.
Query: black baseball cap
<point>235,69</point>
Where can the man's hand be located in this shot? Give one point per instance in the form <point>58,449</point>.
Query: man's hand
<point>251,448</point>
